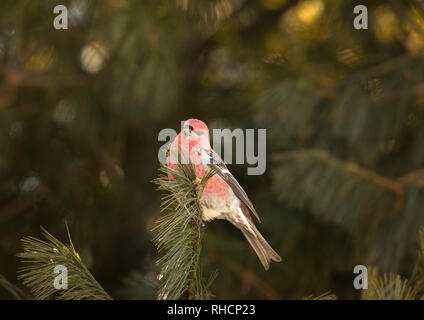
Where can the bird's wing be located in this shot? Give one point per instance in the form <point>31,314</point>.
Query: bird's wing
<point>215,162</point>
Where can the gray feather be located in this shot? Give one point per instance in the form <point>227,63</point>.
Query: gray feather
<point>262,248</point>
<point>216,162</point>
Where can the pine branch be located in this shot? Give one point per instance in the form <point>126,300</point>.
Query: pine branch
<point>386,287</point>
<point>178,234</point>
<point>338,191</point>
<point>325,296</point>
<point>390,286</point>
<point>347,119</point>
<point>385,212</point>
<point>40,259</point>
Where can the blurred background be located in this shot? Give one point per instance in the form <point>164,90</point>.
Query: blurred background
<point>81,109</point>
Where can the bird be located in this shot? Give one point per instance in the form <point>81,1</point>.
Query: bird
<point>222,196</point>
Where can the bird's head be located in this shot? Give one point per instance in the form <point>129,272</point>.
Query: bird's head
<point>195,130</point>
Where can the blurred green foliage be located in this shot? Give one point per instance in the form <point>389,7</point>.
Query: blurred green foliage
<point>81,109</point>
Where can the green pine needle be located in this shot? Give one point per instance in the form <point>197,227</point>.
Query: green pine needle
<point>39,259</point>
<point>178,234</point>
<point>386,287</point>
<point>324,296</point>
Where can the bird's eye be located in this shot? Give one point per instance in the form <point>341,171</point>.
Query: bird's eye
<point>189,127</point>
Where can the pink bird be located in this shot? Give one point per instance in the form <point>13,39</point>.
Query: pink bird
<point>223,197</point>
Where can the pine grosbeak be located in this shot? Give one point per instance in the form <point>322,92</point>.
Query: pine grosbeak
<point>222,197</point>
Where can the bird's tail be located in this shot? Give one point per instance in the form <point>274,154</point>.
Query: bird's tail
<point>262,248</point>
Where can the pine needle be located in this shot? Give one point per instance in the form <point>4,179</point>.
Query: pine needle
<point>178,234</point>
<point>39,260</point>
<point>325,296</point>
<point>386,287</point>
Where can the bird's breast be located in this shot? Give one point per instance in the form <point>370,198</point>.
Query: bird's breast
<point>218,200</point>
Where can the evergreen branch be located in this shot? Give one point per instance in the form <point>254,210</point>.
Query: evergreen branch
<point>39,260</point>
<point>386,287</point>
<point>385,212</point>
<point>15,291</point>
<point>338,191</point>
<point>345,119</point>
<point>178,234</point>
<point>325,296</point>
